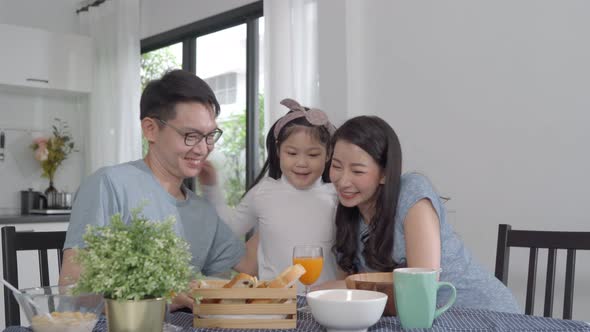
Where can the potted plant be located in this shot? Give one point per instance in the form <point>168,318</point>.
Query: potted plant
<point>137,267</point>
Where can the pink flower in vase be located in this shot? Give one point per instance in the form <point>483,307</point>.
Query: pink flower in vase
<point>40,140</point>
<point>51,152</point>
<point>41,152</point>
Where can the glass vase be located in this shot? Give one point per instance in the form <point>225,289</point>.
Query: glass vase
<point>51,195</point>
<point>50,189</point>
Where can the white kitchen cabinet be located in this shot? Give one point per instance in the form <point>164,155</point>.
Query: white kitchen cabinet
<point>43,59</point>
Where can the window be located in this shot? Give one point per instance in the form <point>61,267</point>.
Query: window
<point>225,51</point>
<point>225,87</point>
<point>157,62</point>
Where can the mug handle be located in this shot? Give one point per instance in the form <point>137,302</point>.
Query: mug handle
<point>444,308</point>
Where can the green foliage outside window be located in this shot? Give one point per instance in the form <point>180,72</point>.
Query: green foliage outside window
<point>232,148</point>
<point>155,63</point>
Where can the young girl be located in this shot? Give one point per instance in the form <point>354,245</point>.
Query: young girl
<point>387,220</point>
<point>291,201</point>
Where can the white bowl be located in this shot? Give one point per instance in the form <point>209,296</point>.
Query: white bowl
<point>346,309</point>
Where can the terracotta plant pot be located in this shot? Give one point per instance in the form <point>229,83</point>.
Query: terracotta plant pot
<point>378,281</point>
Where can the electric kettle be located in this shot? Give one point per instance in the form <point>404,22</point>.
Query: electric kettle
<point>32,200</point>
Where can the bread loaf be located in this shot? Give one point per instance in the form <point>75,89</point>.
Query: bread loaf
<point>286,279</point>
<point>242,280</point>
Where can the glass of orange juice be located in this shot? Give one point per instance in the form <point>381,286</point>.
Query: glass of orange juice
<point>312,259</point>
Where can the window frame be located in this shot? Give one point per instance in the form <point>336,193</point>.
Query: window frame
<point>188,34</point>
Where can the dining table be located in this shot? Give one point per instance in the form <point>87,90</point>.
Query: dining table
<point>456,319</point>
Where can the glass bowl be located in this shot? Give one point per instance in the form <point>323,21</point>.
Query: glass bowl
<point>55,308</point>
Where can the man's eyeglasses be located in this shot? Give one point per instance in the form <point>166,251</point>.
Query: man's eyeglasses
<point>194,138</point>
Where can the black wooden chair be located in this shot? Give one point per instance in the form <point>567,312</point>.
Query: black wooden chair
<point>535,240</point>
<point>13,241</point>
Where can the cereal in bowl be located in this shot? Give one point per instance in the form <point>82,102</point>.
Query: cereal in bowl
<point>69,321</point>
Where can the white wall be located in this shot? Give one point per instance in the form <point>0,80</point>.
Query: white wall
<point>25,114</point>
<point>160,16</point>
<point>490,100</point>
<point>57,16</point>
<point>332,62</point>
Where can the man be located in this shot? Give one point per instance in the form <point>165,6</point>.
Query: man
<point>178,115</point>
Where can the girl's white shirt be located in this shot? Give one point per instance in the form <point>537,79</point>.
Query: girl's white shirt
<point>286,217</point>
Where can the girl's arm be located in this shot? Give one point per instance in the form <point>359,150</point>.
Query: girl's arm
<point>251,252</point>
<point>422,235</point>
<point>240,218</point>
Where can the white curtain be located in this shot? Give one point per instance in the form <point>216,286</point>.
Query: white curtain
<point>291,55</point>
<point>114,132</point>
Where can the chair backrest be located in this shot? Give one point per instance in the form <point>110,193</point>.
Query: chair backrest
<point>535,240</point>
<point>13,241</point>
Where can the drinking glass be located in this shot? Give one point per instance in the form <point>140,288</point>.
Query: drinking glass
<point>312,259</point>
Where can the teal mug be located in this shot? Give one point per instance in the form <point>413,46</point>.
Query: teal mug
<point>415,296</point>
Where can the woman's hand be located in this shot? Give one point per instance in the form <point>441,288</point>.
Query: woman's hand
<point>207,175</point>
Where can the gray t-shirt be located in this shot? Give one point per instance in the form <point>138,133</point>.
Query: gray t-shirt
<point>121,188</point>
<point>476,287</point>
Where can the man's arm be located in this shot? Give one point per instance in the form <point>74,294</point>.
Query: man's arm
<point>70,270</point>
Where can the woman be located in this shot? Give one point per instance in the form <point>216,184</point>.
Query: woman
<point>387,220</point>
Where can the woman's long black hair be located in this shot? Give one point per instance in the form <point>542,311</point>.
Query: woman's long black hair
<point>379,140</point>
<point>272,164</point>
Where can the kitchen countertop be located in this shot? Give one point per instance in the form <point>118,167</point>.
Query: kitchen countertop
<point>33,218</point>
